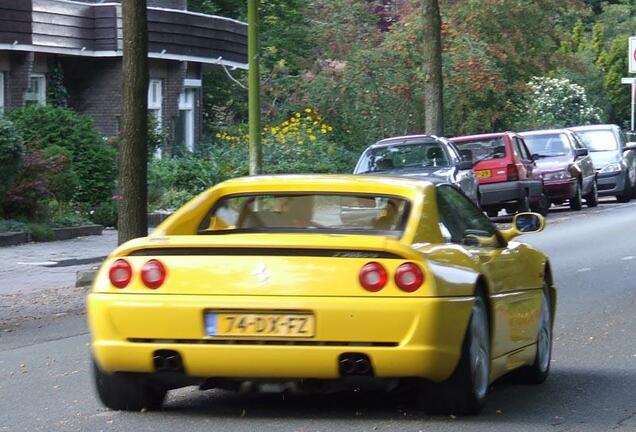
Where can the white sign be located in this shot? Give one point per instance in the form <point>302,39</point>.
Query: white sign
<point>632,54</point>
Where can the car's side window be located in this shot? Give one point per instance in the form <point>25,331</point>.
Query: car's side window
<point>523,151</point>
<point>463,221</point>
<point>575,140</point>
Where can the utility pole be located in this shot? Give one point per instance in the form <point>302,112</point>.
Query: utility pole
<point>133,153</point>
<point>254,88</point>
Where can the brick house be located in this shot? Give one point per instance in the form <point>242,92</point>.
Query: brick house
<point>83,41</point>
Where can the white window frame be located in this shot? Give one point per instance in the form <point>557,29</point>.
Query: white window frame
<point>155,100</point>
<point>1,93</point>
<point>187,103</point>
<point>38,97</point>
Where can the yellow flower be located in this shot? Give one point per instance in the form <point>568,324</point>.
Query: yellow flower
<point>307,110</point>
<point>312,138</point>
<point>297,115</point>
<point>309,118</point>
<point>274,131</point>
<point>218,135</point>
<point>330,129</point>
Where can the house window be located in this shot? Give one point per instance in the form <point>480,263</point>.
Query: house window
<point>1,93</point>
<point>155,100</point>
<point>185,127</point>
<point>36,93</point>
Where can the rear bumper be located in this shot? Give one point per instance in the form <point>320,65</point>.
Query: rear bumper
<point>611,183</point>
<point>403,337</point>
<point>499,193</point>
<point>561,189</point>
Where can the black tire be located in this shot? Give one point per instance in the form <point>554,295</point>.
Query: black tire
<point>464,393</point>
<point>538,372</point>
<point>523,205</point>
<point>626,195</point>
<point>576,202</point>
<point>492,212</point>
<point>591,199</point>
<point>127,391</point>
<point>542,205</point>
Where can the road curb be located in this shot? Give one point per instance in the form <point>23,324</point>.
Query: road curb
<point>85,277</point>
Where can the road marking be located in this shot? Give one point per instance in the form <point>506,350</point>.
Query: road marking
<point>41,263</point>
<point>584,269</point>
<point>628,257</point>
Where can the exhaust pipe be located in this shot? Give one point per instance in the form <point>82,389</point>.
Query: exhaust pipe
<point>167,361</point>
<point>362,366</point>
<point>347,366</point>
<point>172,363</point>
<point>159,362</point>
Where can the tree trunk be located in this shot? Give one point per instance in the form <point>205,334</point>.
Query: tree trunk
<point>432,62</point>
<point>256,152</point>
<point>133,154</point>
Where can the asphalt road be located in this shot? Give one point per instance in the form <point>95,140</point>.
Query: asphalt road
<point>45,383</point>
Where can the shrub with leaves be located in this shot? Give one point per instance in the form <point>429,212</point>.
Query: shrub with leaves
<point>11,153</point>
<point>556,103</point>
<point>28,197</point>
<point>93,160</point>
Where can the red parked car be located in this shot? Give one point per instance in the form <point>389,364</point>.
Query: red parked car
<point>506,172</point>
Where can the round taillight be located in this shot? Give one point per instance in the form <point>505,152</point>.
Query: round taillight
<point>153,273</point>
<point>409,277</point>
<point>120,273</point>
<point>373,277</point>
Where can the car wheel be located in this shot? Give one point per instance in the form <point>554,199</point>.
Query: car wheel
<point>591,199</point>
<point>127,391</point>
<point>492,212</point>
<point>626,196</point>
<point>576,202</point>
<point>539,370</point>
<point>542,205</point>
<point>523,205</point>
<point>464,393</point>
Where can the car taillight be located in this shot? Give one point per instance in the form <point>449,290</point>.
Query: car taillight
<point>373,277</point>
<point>153,274</point>
<point>120,273</point>
<point>512,172</point>
<point>409,277</point>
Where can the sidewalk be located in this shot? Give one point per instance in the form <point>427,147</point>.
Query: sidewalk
<point>41,266</point>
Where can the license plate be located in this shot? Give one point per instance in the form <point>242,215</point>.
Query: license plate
<point>259,325</point>
<point>484,173</point>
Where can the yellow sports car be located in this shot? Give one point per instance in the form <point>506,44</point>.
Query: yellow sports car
<point>294,280</point>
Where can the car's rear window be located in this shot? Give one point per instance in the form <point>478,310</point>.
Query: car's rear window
<point>598,140</point>
<point>482,149</point>
<point>403,157</point>
<point>303,212</point>
<point>553,144</point>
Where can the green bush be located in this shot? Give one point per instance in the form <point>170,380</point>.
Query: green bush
<point>65,182</point>
<point>9,225</point>
<point>93,161</point>
<point>105,214</point>
<point>41,232</point>
<point>61,214</point>
<point>11,153</point>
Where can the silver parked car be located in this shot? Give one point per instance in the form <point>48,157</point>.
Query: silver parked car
<point>614,159</point>
<point>424,157</point>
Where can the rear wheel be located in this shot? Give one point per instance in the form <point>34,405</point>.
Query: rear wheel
<point>465,391</point>
<point>591,199</point>
<point>626,195</point>
<point>539,370</point>
<point>127,391</point>
<point>542,205</point>
<point>576,202</point>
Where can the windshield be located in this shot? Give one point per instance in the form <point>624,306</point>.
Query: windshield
<point>548,145</point>
<point>321,213</point>
<point>403,156</point>
<point>598,140</point>
<point>482,149</point>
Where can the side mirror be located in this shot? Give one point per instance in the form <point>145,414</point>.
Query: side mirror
<point>523,223</point>
<point>580,152</point>
<point>465,165</point>
<point>630,146</point>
